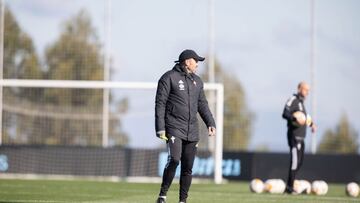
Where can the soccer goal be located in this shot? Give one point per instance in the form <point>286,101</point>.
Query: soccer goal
<point>109,115</point>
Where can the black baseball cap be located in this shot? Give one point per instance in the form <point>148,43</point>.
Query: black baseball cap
<point>187,54</point>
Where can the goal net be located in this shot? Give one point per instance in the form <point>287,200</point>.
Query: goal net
<point>93,128</point>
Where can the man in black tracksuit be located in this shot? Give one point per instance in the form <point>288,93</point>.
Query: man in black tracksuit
<point>179,97</point>
<point>296,131</point>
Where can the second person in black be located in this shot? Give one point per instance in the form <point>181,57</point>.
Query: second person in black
<point>296,133</point>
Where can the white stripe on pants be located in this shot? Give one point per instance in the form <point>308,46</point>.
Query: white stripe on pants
<point>294,158</point>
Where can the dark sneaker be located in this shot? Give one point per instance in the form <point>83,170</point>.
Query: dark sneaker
<point>290,191</point>
<point>161,200</point>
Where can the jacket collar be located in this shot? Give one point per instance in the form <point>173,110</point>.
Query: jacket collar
<point>182,70</point>
<point>301,98</point>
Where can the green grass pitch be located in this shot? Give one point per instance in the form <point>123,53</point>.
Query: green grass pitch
<point>55,191</point>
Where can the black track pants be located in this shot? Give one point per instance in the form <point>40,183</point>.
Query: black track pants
<point>296,160</point>
<point>184,151</point>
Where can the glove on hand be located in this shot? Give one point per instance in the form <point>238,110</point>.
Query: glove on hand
<point>162,135</point>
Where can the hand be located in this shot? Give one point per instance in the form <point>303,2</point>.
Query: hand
<point>212,131</point>
<point>162,135</point>
<point>313,128</point>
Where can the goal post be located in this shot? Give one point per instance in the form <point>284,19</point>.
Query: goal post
<point>78,84</point>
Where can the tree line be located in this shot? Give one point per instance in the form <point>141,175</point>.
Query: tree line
<point>56,116</point>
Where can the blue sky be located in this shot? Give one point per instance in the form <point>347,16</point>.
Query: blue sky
<point>264,43</point>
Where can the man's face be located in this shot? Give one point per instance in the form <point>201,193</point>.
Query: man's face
<point>304,90</point>
<point>191,65</point>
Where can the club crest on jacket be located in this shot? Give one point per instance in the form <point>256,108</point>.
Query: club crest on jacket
<point>181,85</point>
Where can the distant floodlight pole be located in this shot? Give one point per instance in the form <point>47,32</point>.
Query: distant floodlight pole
<point>107,62</point>
<point>211,62</point>
<point>313,72</point>
<point>2,21</point>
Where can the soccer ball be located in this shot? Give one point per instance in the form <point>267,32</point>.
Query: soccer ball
<point>302,187</point>
<point>308,120</point>
<point>257,185</point>
<point>275,186</point>
<point>300,118</point>
<point>352,189</point>
<point>319,187</point>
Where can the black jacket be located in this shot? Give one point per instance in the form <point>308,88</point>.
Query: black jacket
<point>179,97</point>
<point>295,103</point>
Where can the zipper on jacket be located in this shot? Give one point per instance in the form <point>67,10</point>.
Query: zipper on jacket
<point>187,82</point>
